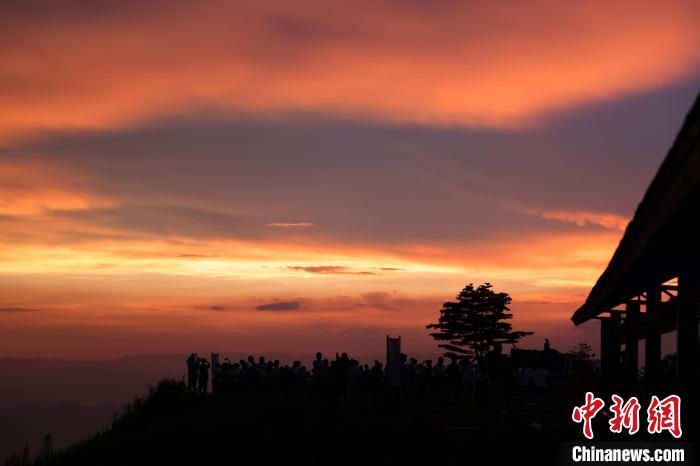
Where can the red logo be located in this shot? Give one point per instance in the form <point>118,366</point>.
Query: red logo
<point>625,415</point>
<point>587,412</point>
<point>665,415</point>
<point>661,415</point>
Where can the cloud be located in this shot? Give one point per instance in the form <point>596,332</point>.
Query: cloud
<point>257,170</point>
<point>465,63</point>
<point>291,226</point>
<point>280,306</point>
<point>169,219</point>
<point>197,256</point>
<point>329,270</point>
<point>582,218</point>
<point>218,308</point>
<point>398,195</point>
<point>11,310</point>
<point>30,189</point>
<point>386,301</point>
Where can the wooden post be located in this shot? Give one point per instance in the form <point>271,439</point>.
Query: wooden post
<point>631,345</point>
<point>609,353</point>
<point>687,334</point>
<point>652,353</point>
<point>687,328</point>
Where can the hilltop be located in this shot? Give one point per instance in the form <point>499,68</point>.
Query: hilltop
<point>172,426</point>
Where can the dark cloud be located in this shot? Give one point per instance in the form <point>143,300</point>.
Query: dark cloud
<point>218,308</point>
<point>17,309</point>
<point>280,306</point>
<point>388,269</point>
<point>330,270</point>
<point>382,185</point>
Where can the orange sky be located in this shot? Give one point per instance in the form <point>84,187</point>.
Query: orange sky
<point>475,63</point>
<point>287,176</point>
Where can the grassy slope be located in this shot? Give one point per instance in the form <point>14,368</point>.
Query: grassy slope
<point>171,426</point>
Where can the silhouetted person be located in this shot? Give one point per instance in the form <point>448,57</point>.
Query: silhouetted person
<point>540,379</point>
<point>203,375</point>
<point>354,377</point>
<point>440,379</point>
<point>546,353</point>
<point>261,368</point>
<point>481,384</point>
<point>192,370</point>
<point>376,376</point>
<point>341,374</point>
<point>215,377</point>
<point>297,373</point>
<point>453,377</point>
<point>500,373</point>
<point>464,374</point>
<point>318,364</point>
<point>251,373</point>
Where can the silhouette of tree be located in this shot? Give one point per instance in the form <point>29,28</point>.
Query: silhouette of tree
<point>474,322</point>
<point>26,459</point>
<point>582,351</point>
<point>17,459</point>
<point>46,448</point>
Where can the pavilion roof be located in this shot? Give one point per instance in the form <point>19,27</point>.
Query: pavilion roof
<point>663,232</point>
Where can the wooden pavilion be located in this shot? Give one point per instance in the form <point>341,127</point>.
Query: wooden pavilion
<point>652,284</point>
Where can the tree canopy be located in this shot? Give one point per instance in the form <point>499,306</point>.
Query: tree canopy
<point>582,351</point>
<point>474,322</point>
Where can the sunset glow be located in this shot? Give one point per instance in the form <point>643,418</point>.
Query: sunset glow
<point>258,176</point>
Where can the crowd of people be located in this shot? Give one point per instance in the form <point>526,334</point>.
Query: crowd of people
<point>487,377</point>
<point>198,374</point>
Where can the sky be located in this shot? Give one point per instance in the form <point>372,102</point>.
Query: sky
<point>313,175</point>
